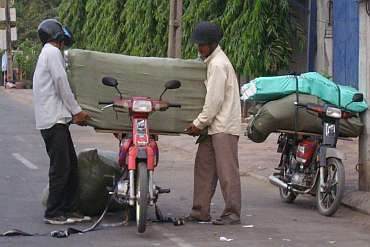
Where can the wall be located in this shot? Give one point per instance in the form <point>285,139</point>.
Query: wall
<point>346,42</point>
<point>324,53</point>
<point>299,58</point>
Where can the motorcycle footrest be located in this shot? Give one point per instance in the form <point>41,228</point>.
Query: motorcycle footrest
<point>163,191</point>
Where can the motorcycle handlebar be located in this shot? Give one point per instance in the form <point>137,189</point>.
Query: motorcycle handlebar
<point>174,105</point>
<point>106,102</point>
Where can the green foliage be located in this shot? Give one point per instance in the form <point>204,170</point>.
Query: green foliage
<point>29,15</point>
<point>259,35</point>
<point>73,12</point>
<point>268,43</point>
<point>27,57</point>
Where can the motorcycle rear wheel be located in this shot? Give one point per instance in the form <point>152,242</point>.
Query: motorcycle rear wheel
<point>287,196</point>
<point>142,196</point>
<point>328,201</point>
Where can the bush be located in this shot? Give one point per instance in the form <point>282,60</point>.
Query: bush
<point>27,57</point>
<point>260,35</point>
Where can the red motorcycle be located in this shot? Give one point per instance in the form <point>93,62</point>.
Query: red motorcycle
<point>138,153</point>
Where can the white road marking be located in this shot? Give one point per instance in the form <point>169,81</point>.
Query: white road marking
<point>24,161</point>
<point>173,238</point>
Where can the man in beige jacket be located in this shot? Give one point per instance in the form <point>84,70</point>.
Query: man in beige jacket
<point>217,156</point>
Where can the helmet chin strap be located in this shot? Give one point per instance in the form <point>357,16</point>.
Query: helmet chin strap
<point>60,44</point>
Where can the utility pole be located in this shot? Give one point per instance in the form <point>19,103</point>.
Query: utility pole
<point>175,36</point>
<point>8,42</point>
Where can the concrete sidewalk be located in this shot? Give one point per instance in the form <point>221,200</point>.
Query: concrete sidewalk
<point>256,159</point>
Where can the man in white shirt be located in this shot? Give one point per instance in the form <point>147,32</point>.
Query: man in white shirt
<point>55,109</point>
<point>217,156</point>
<point>4,65</point>
<point>4,68</point>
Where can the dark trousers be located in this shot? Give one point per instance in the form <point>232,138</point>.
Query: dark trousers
<point>217,160</point>
<point>63,173</point>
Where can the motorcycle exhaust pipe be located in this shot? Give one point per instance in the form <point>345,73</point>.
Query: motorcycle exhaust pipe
<point>278,182</point>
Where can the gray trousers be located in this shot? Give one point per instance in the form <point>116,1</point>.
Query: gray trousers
<point>217,159</point>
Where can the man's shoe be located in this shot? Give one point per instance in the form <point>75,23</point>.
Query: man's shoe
<point>190,218</point>
<point>58,220</point>
<point>226,220</point>
<point>77,217</point>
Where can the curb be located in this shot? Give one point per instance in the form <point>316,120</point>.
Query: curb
<point>24,98</point>
<point>356,200</point>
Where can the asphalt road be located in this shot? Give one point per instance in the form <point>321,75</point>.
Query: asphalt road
<point>265,220</point>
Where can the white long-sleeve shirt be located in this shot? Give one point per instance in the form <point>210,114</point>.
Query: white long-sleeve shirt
<point>53,99</point>
<point>221,111</point>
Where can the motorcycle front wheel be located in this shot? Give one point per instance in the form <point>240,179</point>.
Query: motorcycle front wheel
<point>142,196</point>
<point>329,195</point>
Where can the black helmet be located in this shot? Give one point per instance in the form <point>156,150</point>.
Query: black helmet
<point>53,30</point>
<point>206,33</point>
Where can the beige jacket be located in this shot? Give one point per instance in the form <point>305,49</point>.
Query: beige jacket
<point>221,111</point>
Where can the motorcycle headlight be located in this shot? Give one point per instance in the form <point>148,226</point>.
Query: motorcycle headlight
<point>333,112</point>
<point>142,106</point>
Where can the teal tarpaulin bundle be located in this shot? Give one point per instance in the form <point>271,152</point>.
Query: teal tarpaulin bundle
<point>312,83</point>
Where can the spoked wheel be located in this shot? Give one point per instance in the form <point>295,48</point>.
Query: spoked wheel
<point>142,196</point>
<point>329,195</point>
<point>286,196</point>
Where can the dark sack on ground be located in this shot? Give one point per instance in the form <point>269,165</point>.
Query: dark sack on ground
<point>93,166</point>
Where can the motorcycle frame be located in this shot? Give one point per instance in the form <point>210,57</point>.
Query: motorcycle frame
<point>139,147</point>
<point>327,147</point>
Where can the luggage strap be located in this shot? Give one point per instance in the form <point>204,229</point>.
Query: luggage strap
<point>70,230</point>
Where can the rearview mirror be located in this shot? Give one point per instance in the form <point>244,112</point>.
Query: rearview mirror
<point>110,82</point>
<point>173,84</point>
<point>358,97</point>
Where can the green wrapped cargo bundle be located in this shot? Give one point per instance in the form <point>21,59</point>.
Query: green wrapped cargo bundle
<point>279,115</point>
<point>312,83</point>
<point>137,76</point>
<point>93,167</point>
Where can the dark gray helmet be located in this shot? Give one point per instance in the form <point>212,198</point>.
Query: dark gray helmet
<point>53,30</point>
<point>206,33</point>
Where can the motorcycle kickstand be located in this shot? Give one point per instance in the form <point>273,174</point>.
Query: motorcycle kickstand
<point>126,216</point>
<point>158,213</point>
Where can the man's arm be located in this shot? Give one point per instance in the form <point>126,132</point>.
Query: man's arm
<point>214,98</point>
<point>60,79</point>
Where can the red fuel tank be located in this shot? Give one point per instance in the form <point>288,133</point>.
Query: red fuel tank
<point>306,149</point>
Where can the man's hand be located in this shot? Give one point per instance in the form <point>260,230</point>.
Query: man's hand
<point>193,130</point>
<point>81,118</point>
